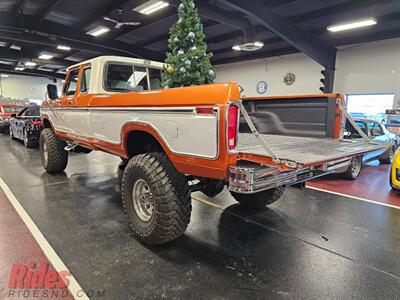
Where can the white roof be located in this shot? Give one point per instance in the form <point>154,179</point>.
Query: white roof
<point>106,58</point>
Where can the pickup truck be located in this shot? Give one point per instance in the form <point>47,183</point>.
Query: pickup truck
<point>200,138</point>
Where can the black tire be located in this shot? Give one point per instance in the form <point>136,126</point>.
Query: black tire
<point>211,187</point>
<point>387,160</point>
<point>261,199</point>
<point>170,199</point>
<point>28,141</point>
<point>56,159</point>
<point>354,169</point>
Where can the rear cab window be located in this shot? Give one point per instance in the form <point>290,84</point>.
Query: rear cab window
<point>123,77</point>
<point>85,80</point>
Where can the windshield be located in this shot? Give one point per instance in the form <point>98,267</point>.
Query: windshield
<point>127,78</point>
<point>11,109</point>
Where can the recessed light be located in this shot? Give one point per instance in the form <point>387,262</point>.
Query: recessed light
<point>4,75</point>
<point>248,47</point>
<point>30,64</point>
<point>63,47</point>
<point>45,56</point>
<point>98,31</point>
<point>352,25</point>
<point>151,7</point>
<point>15,47</point>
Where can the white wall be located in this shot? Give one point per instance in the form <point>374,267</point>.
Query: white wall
<point>24,87</point>
<point>365,68</point>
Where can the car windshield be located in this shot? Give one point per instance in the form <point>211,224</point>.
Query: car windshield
<point>127,78</point>
<point>11,109</point>
<point>33,111</point>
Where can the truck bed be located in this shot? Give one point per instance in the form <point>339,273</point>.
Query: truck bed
<point>304,150</point>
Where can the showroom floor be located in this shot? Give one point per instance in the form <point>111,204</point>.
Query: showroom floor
<point>310,244</point>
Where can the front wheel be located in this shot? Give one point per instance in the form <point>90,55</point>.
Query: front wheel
<point>54,157</point>
<point>156,198</point>
<point>27,140</point>
<point>354,169</point>
<point>261,199</point>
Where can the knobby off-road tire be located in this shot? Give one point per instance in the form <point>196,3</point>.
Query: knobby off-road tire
<point>156,198</point>
<point>354,169</point>
<point>261,199</point>
<point>54,157</point>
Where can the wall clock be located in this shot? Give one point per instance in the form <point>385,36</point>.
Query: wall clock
<point>289,78</point>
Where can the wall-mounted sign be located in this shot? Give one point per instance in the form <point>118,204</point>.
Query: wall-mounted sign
<point>262,87</point>
<point>289,78</point>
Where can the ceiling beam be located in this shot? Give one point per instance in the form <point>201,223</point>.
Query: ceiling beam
<point>319,50</point>
<point>19,6</point>
<point>46,8</point>
<point>74,38</point>
<point>28,72</point>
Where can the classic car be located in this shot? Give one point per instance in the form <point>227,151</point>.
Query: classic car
<point>6,110</point>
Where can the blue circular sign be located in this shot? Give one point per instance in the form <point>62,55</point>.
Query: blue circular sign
<point>262,87</point>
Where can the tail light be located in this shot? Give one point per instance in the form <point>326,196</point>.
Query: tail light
<point>233,118</point>
<point>37,123</point>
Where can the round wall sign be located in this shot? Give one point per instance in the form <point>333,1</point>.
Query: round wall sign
<point>262,87</point>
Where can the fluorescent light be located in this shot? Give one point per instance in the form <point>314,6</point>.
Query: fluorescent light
<point>46,56</point>
<point>63,47</point>
<point>15,47</point>
<point>98,31</point>
<point>151,7</point>
<point>236,48</point>
<point>4,75</point>
<point>249,47</point>
<point>30,64</point>
<point>19,68</point>
<point>352,25</point>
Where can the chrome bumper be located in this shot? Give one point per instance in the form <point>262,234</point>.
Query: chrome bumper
<point>250,178</point>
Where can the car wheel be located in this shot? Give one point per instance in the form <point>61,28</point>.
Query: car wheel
<point>27,140</point>
<point>259,200</point>
<point>54,157</point>
<point>354,169</point>
<point>389,157</point>
<point>156,198</point>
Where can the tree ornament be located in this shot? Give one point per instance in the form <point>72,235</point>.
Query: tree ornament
<point>194,48</point>
<point>170,69</point>
<point>211,73</point>
<point>176,40</point>
<point>191,35</point>
<point>182,70</point>
<point>181,6</point>
<point>179,20</point>
<point>188,63</point>
<point>181,52</point>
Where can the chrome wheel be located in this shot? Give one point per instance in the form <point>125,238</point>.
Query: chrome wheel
<point>142,200</point>
<point>356,167</point>
<point>26,141</point>
<point>45,153</point>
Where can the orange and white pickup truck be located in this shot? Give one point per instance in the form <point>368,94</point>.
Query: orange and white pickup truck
<point>201,138</point>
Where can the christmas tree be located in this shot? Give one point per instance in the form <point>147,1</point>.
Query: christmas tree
<point>188,63</point>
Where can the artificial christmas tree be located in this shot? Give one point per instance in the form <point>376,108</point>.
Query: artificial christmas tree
<point>188,63</point>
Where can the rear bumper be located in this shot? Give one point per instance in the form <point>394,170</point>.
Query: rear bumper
<point>250,178</point>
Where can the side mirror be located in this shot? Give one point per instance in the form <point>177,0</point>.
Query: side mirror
<point>52,91</point>
<point>13,115</point>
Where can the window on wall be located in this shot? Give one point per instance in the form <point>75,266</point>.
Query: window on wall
<point>370,106</point>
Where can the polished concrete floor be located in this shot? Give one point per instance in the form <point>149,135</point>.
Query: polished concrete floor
<point>308,245</point>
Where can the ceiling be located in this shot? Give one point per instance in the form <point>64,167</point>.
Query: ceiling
<point>29,28</point>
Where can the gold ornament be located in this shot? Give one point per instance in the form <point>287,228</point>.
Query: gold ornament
<point>170,69</point>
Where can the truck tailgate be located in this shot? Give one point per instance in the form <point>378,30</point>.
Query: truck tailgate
<point>306,150</point>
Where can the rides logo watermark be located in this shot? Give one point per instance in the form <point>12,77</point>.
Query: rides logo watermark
<point>32,280</point>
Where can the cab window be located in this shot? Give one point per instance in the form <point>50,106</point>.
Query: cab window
<point>85,81</point>
<point>376,129</point>
<point>70,87</point>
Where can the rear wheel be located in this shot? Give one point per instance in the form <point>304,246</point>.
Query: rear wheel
<point>261,199</point>
<point>387,160</point>
<point>27,140</point>
<point>211,188</point>
<point>156,198</point>
<point>354,169</point>
<point>54,157</point>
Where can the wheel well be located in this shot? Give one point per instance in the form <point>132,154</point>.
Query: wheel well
<point>46,123</point>
<point>139,142</point>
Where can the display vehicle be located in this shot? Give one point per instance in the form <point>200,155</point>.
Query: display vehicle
<point>26,126</point>
<point>394,177</point>
<point>181,140</point>
<point>6,110</point>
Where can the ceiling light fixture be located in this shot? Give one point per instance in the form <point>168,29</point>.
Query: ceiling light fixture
<point>46,56</point>
<point>98,31</point>
<point>19,68</point>
<point>352,25</point>
<point>63,47</point>
<point>249,47</point>
<point>151,7</point>
<point>4,75</point>
<point>30,64</point>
